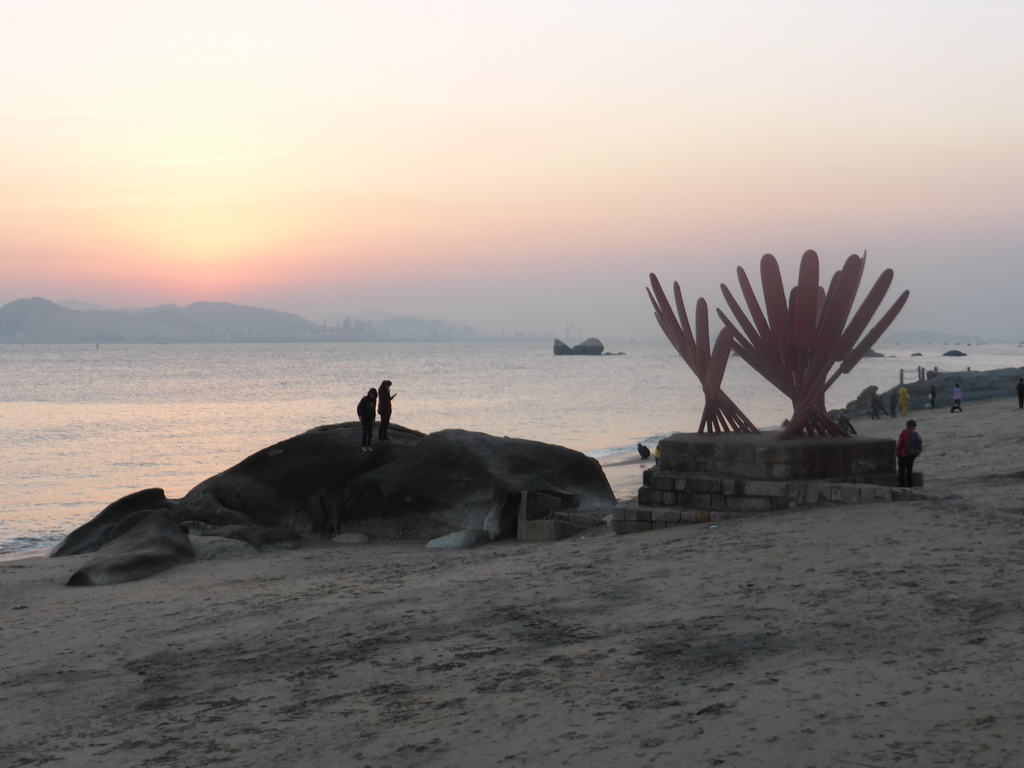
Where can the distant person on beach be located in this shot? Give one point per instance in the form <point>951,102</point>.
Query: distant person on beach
<point>1020,393</point>
<point>904,401</point>
<point>876,405</point>
<point>932,394</point>
<point>892,404</point>
<point>643,450</point>
<point>957,396</point>
<point>365,411</point>
<point>384,398</point>
<point>908,448</point>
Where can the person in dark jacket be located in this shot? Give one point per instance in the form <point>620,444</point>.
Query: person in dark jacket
<point>384,398</point>
<point>876,406</point>
<point>365,411</point>
<point>908,446</point>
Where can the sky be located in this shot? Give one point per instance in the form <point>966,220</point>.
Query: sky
<point>511,166</point>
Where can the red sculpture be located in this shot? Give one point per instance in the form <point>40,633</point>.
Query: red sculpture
<point>720,413</point>
<point>795,343</point>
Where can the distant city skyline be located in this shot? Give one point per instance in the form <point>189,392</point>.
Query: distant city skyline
<point>511,167</point>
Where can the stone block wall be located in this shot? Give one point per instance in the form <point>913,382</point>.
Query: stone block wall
<point>766,457</point>
<point>701,478</point>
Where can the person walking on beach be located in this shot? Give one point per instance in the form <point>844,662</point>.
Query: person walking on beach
<point>1020,393</point>
<point>365,411</point>
<point>908,448</point>
<point>892,404</point>
<point>904,401</point>
<point>957,395</point>
<point>384,398</point>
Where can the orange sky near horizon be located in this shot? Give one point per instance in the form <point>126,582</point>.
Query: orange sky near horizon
<point>329,158</point>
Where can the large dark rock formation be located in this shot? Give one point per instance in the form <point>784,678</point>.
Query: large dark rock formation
<point>152,545</point>
<point>320,483</point>
<point>94,534</point>
<point>977,386</point>
<point>591,346</point>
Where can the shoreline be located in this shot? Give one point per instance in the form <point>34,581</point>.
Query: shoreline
<point>850,635</point>
<point>624,468</point>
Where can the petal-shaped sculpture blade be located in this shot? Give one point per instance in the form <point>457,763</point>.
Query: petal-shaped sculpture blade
<point>796,343</point>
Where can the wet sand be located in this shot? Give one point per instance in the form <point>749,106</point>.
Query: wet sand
<point>881,634</point>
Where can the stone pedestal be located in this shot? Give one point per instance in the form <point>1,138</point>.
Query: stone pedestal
<point>766,457</point>
<point>701,478</point>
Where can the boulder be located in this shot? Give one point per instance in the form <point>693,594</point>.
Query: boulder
<point>977,385</point>
<point>298,484</point>
<point>219,548</point>
<point>591,346</point>
<point>152,545</point>
<point>455,480</point>
<point>459,540</point>
<point>561,348</point>
<point>259,537</point>
<point>94,534</point>
<point>320,484</point>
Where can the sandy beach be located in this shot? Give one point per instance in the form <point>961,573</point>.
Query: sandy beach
<point>874,635</point>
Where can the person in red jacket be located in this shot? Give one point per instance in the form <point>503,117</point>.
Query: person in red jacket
<point>384,398</point>
<point>908,448</point>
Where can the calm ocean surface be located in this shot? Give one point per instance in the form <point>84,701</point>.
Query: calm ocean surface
<point>82,426</point>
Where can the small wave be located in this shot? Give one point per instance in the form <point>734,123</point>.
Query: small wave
<point>25,545</point>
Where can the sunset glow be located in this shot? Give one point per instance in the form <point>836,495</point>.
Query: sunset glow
<point>329,158</point>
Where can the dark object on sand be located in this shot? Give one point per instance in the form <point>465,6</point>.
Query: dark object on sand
<point>643,450</point>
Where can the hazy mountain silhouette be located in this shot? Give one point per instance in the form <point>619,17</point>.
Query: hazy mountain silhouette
<point>40,321</point>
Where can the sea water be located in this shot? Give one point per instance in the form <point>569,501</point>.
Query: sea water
<point>81,426</point>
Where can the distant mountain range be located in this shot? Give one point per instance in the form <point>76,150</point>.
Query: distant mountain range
<point>40,321</point>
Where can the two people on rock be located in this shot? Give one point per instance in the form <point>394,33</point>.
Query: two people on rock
<point>375,401</point>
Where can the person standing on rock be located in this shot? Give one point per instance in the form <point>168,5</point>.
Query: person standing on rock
<point>365,411</point>
<point>384,398</point>
<point>932,394</point>
<point>904,401</point>
<point>908,448</point>
<point>892,404</point>
<point>1020,393</point>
